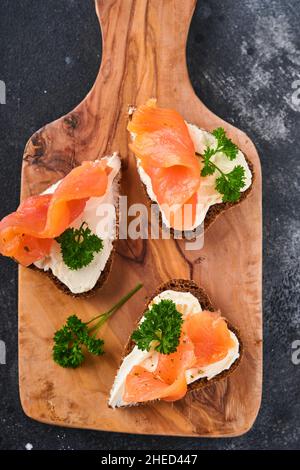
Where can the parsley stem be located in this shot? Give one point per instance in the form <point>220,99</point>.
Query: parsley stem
<point>212,163</point>
<point>104,316</point>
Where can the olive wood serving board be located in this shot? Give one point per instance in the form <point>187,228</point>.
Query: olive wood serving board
<point>144,55</point>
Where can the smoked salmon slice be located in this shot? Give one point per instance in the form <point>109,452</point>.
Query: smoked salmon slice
<point>162,143</point>
<point>205,339</point>
<point>142,385</point>
<point>169,366</point>
<point>27,234</point>
<point>210,335</point>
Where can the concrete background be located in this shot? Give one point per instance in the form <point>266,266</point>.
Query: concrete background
<point>244,63</point>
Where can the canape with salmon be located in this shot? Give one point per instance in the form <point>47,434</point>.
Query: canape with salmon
<point>68,232</point>
<point>181,344</point>
<point>192,174</point>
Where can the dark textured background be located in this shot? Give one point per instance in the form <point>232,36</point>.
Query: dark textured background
<point>243,58</point>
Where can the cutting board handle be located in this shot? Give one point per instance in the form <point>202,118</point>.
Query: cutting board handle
<point>145,39</point>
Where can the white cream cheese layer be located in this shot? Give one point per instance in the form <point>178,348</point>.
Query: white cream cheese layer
<point>187,304</point>
<point>100,215</point>
<point>207,194</point>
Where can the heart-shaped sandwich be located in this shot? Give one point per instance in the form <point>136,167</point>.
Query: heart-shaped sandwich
<point>192,174</point>
<point>181,344</point>
<point>68,232</point>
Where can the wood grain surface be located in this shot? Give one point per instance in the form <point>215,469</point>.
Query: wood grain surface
<point>144,49</point>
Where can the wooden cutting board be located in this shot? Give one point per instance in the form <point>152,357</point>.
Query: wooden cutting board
<point>144,55</point>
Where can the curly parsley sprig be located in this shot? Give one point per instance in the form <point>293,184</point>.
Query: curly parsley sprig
<point>75,334</point>
<point>160,329</point>
<point>227,184</point>
<point>78,246</point>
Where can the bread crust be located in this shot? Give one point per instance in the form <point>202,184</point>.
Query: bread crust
<point>108,266</point>
<point>186,285</point>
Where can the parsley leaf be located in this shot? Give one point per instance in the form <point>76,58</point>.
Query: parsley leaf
<point>78,246</point>
<point>67,351</point>
<point>227,184</point>
<point>230,185</point>
<point>208,168</point>
<point>75,334</point>
<point>225,145</point>
<point>161,328</point>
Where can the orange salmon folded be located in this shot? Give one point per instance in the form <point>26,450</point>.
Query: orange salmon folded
<point>161,142</point>
<point>27,234</point>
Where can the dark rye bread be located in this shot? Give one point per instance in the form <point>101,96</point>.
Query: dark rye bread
<point>108,267</point>
<point>186,285</point>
